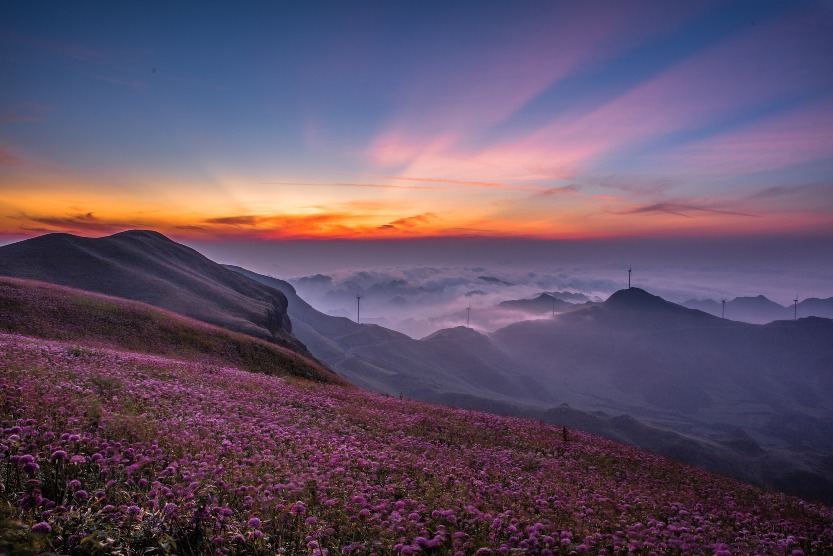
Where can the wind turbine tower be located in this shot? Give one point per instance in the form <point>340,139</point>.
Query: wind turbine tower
<point>723,310</point>
<point>468,316</point>
<point>629,278</point>
<point>795,307</point>
<point>358,309</point>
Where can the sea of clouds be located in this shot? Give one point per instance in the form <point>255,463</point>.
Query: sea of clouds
<point>418,300</point>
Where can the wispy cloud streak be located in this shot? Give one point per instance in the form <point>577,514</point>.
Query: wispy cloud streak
<point>682,209</point>
<point>372,185</point>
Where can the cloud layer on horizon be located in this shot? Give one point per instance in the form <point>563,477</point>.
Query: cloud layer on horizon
<point>558,121</point>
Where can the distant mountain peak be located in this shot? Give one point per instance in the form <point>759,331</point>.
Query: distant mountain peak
<point>757,300</point>
<point>636,298</point>
<point>149,234</point>
<point>456,333</point>
<point>493,280</point>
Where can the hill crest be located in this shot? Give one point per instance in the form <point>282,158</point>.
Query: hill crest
<point>147,266</point>
<point>43,310</point>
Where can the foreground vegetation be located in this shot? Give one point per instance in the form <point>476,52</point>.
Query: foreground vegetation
<point>45,310</point>
<point>105,451</point>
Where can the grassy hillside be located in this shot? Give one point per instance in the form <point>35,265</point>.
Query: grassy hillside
<point>104,451</point>
<point>146,266</point>
<point>48,311</point>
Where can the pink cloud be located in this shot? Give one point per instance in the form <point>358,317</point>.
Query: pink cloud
<point>802,135</point>
<point>396,149</point>
<point>7,157</point>
<point>479,89</point>
<point>11,117</point>
<point>371,185</point>
<point>761,66</point>
<point>453,105</point>
<point>25,112</point>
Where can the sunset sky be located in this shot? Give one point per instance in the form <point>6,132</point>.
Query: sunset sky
<point>364,120</point>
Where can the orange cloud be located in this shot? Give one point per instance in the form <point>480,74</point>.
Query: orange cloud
<point>246,220</point>
<point>412,221</point>
<point>81,223</point>
<point>464,182</point>
<point>303,226</point>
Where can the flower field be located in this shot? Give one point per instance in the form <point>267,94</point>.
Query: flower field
<point>104,451</point>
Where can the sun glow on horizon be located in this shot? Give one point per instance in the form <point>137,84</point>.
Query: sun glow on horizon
<point>682,120</point>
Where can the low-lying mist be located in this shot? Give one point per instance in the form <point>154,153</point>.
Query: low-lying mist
<point>418,300</point>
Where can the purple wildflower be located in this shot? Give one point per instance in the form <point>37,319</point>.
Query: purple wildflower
<point>41,528</point>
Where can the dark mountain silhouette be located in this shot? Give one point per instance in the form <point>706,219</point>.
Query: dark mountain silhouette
<point>665,356</point>
<point>570,297</point>
<point>544,303</point>
<point>761,310</point>
<point>638,300</point>
<point>815,307</point>
<point>147,266</point>
<point>692,372</point>
<point>709,306</point>
<point>493,280</point>
<point>453,360</point>
<point>757,309</point>
<point>318,280</point>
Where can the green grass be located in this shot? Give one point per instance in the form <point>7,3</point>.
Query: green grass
<point>54,312</point>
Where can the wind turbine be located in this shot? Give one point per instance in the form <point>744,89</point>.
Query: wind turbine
<point>795,307</point>
<point>629,277</point>
<point>723,310</point>
<point>468,316</point>
<point>358,309</point>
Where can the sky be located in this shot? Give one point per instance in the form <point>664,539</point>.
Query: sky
<point>563,121</point>
<point>691,140</point>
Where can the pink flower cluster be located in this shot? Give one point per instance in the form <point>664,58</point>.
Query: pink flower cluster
<point>103,450</point>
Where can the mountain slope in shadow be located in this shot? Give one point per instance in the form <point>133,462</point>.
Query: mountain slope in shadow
<point>635,368</point>
<point>760,310</point>
<point>694,373</point>
<point>42,310</point>
<point>147,266</point>
<point>543,304</point>
<point>638,349</point>
<point>453,360</point>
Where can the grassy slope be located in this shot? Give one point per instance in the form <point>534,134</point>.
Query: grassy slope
<point>146,266</point>
<point>107,451</point>
<point>47,311</point>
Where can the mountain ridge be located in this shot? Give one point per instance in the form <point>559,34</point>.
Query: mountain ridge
<point>762,310</point>
<point>147,266</point>
<point>44,310</point>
